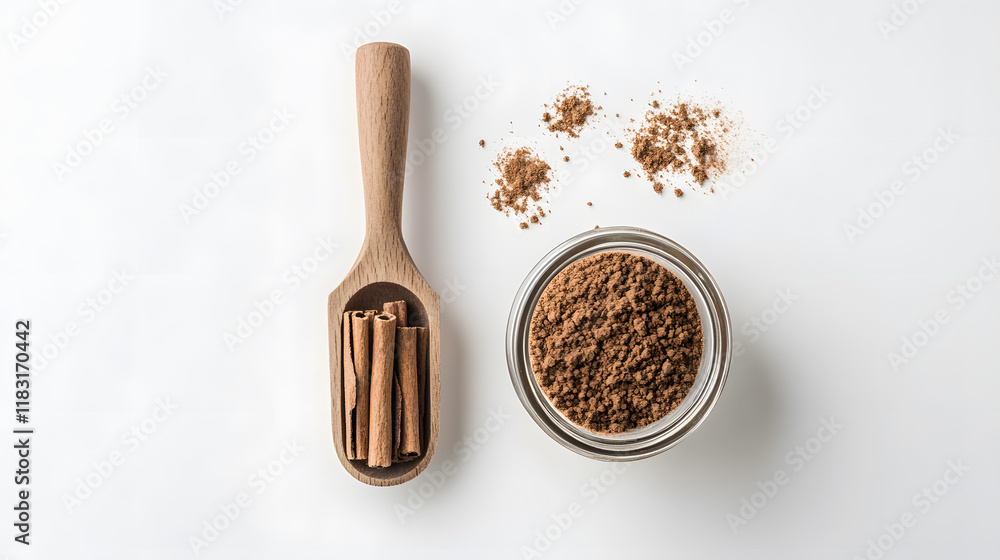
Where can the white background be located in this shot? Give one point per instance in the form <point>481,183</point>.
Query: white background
<point>63,237</point>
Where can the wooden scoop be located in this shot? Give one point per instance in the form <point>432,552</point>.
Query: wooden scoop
<point>384,271</point>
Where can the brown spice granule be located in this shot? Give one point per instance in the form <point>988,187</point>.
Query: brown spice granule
<point>565,158</point>
<point>482,143</point>
<point>572,107</point>
<point>615,342</point>
<point>678,193</point>
<point>658,187</point>
<point>534,219</point>
<point>683,137</point>
<point>523,225</point>
<point>655,104</point>
<point>626,174</point>
<point>523,178</point>
<point>618,144</point>
<point>590,204</point>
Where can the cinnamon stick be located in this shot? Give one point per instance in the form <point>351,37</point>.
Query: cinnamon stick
<point>370,314</point>
<point>423,348</point>
<point>350,389</point>
<point>397,308</point>
<point>360,328</point>
<point>380,417</point>
<point>406,372</point>
<point>397,418</point>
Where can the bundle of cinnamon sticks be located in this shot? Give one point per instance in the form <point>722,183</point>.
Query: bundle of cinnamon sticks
<point>385,372</point>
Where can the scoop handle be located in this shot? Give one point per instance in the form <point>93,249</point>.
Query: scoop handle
<point>382,74</point>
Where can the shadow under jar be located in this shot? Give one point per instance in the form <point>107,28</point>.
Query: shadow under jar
<point>667,431</point>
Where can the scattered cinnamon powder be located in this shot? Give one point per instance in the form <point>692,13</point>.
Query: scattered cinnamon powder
<point>627,174</point>
<point>615,342</point>
<point>482,143</point>
<point>590,204</point>
<point>565,158</point>
<point>658,187</point>
<point>685,138</point>
<point>524,177</point>
<point>679,193</point>
<point>572,109</point>
<point>618,144</point>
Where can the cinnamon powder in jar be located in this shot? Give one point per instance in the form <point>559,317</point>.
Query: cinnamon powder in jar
<point>615,342</point>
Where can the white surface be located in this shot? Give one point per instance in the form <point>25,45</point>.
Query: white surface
<point>162,337</point>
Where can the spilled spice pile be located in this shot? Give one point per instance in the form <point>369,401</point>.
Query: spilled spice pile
<point>685,143</point>
<point>524,177</point>
<point>572,108</point>
<point>615,342</point>
<point>684,138</point>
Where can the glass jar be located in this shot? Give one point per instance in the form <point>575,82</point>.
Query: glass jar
<point>711,377</point>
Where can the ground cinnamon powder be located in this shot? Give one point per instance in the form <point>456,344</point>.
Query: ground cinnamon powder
<point>615,342</point>
<point>572,108</point>
<point>524,177</point>
<point>683,137</point>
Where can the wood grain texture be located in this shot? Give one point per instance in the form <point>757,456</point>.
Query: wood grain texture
<point>384,270</point>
